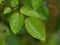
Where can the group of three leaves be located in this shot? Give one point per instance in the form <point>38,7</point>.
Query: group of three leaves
<point>33,24</point>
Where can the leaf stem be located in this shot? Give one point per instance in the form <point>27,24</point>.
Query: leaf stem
<point>12,8</point>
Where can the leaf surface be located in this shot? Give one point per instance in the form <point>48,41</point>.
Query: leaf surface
<point>16,22</point>
<point>36,28</point>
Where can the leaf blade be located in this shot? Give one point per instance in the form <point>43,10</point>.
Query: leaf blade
<point>14,3</point>
<point>7,10</point>
<point>29,12</point>
<point>36,3</point>
<point>35,28</point>
<point>16,22</point>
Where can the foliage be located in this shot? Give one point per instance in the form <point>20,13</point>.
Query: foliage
<point>23,22</point>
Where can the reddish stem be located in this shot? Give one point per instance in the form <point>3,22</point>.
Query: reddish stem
<point>53,11</point>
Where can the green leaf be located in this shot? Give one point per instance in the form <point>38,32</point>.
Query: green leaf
<point>29,12</point>
<point>36,3</point>
<point>44,11</point>
<point>16,22</point>
<point>1,1</point>
<point>7,10</point>
<point>14,3</point>
<point>36,28</point>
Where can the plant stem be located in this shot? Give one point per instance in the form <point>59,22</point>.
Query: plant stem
<point>12,8</point>
<point>53,11</point>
